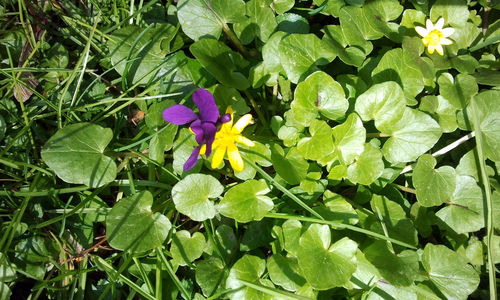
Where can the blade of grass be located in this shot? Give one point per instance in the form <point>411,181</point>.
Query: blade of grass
<point>489,203</point>
<point>280,187</point>
<point>174,277</point>
<point>338,225</point>
<point>115,274</point>
<point>273,292</point>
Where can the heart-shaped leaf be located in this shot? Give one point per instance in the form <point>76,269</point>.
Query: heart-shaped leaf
<point>383,102</point>
<point>284,271</point>
<point>132,226</point>
<point>434,186</point>
<point>320,144</point>
<point>248,268</point>
<point>349,139</point>
<point>247,201</point>
<point>465,210</point>
<point>186,248</point>
<point>76,154</point>
<point>411,136</point>
<point>209,275</point>
<point>449,272</point>
<point>323,265</point>
<point>206,18</point>
<point>367,167</point>
<point>191,196</point>
<point>318,93</point>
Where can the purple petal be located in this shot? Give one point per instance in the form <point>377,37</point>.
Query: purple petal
<point>206,105</point>
<point>225,118</point>
<point>179,114</point>
<point>198,131</point>
<point>209,130</point>
<point>192,160</point>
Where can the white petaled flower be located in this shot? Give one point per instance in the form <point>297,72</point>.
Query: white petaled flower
<point>435,36</point>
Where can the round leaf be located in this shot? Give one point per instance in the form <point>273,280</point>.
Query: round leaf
<point>434,186</point>
<point>186,248</point>
<point>323,265</point>
<point>411,136</point>
<point>248,268</point>
<point>319,93</point>
<point>367,167</point>
<point>206,18</point>
<point>209,274</point>
<point>349,139</point>
<point>76,154</point>
<point>487,107</point>
<point>449,272</point>
<point>132,226</point>
<point>284,271</point>
<point>191,196</point>
<point>246,201</point>
<point>383,102</point>
<point>465,211</point>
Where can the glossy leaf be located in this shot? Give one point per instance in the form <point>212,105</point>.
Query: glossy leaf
<point>192,196</point>
<point>367,167</point>
<point>186,248</point>
<point>434,186</point>
<point>131,225</point>
<point>76,154</point>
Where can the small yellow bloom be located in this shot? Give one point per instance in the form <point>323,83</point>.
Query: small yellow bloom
<point>434,36</point>
<point>226,139</point>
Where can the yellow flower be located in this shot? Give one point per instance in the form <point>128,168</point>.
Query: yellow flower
<point>226,139</point>
<point>434,36</point>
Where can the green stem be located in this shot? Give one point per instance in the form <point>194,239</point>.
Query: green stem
<point>377,134</point>
<point>281,188</point>
<point>489,203</point>
<point>235,41</point>
<point>257,109</point>
<point>273,292</point>
<point>174,277</point>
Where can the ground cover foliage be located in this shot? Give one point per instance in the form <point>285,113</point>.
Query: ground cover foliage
<point>370,170</point>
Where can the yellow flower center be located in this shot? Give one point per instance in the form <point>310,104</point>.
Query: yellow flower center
<point>225,136</point>
<point>434,37</point>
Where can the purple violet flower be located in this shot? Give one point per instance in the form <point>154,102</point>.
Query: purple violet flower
<point>203,125</point>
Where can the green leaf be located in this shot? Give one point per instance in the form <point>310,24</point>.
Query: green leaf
<point>154,117</point>
<point>138,53</point>
<point>7,269</point>
<point>222,62</point>
<point>318,93</point>
<point>161,142</point>
<point>282,6</point>
<point>206,18</point>
<point>454,278</point>
<point>248,268</point>
<point>367,167</point>
<point>132,226</point>
<point>399,270</point>
<point>76,154</point>
<point>5,291</point>
<point>442,111</point>
<point>458,91</point>
<point>336,208</point>
<point>226,96</point>
<point>487,106</point>
<point>399,66</point>
<point>292,167</point>
<point>284,271</point>
<point>183,147</point>
<point>323,265</point>
<point>454,12</point>
<point>186,248</point>
<point>434,186</point>
<point>394,219</point>
<point>411,136</point>
<point>260,22</point>
<point>300,54</point>
<point>209,275</point>
<point>383,102</point>
<point>349,52</point>
<point>465,211</point>
<point>320,144</point>
<point>246,201</point>
<point>349,139</point>
<point>191,196</point>
<point>292,23</point>
<point>291,234</point>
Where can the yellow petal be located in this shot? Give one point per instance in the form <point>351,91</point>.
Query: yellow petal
<point>242,123</point>
<point>229,110</point>
<point>439,49</point>
<point>203,149</point>
<point>422,31</point>
<point>218,156</point>
<point>243,140</point>
<point>235,158</point>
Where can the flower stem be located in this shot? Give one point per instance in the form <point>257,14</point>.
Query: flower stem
<point>257,109</point>
<point>377,134</point>
<point>235,41</point>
